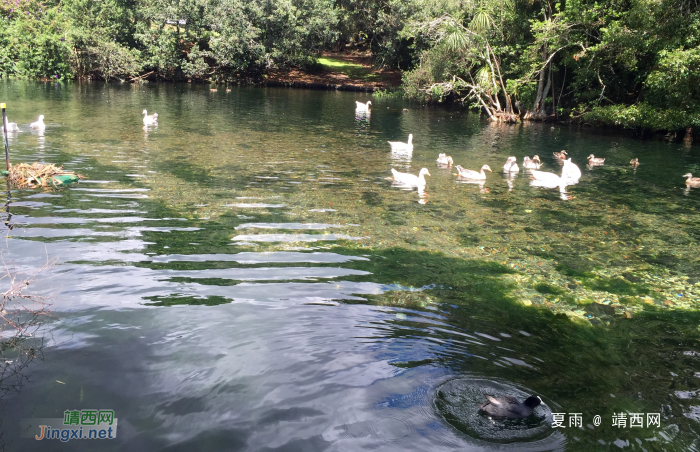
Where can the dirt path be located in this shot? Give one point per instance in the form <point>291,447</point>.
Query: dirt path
<point>348,71</point>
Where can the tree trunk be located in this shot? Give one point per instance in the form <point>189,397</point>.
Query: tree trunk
<point>688,138</point>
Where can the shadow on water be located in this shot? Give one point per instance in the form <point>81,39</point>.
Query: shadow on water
<point>247,279</point>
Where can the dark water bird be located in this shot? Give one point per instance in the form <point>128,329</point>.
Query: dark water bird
<point>634,162</point>
<point>510,407</point>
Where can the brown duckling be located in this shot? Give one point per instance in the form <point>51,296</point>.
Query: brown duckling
<point>560,155</point>
<point>634,162</point>
<point>692,181</point>
<point>593,160</point>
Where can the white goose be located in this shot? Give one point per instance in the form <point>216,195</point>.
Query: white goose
<point>570,171</point>
<point>545,179</point>
<point>471,174</point>
<point>532,163</point>
<point>39,124</point>
<point>410,179</point>
<point>511,166</point>
<point>401,146</point>
<point>444,159</point>
<point>11,126</point>
<point>149,120</point>
<point>362,108</point>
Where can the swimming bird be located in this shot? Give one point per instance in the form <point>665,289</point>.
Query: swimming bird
<point>39,124</point>
<point>11,126</point>
<point>570,171</point>
<point>547,179</point>
<point>692,181</point>
<point>560,155</point>
<point>592,160</point>
<point>634,162</point>
<point>511,166</point>
<point>362,107</point>
<point>149,120</point>
<point>471,174</point>
<point>401,146</point>
<point>532,163</point>
<point>410,179</point>
<point>510,407</point>
<point>444,159</point>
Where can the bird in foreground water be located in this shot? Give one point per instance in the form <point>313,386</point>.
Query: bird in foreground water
<point>510,407</point>
<point>634,162</point>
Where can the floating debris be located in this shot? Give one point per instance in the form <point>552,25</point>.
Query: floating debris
<point>37,174</point>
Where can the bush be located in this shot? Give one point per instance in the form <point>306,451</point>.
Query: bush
<point>643,116</point>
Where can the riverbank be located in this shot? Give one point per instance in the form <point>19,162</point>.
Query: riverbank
<point>346,71</point>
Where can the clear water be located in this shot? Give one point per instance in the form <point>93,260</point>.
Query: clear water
<point>245,277</point>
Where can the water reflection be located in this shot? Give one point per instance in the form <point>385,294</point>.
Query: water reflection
<point>261,261</point>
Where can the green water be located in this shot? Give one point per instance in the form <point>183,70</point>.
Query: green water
<point>244,277</point>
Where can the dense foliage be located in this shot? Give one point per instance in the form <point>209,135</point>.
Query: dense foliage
<point>634,63</point>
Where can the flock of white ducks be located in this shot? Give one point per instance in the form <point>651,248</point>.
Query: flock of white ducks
<point>570,173</point>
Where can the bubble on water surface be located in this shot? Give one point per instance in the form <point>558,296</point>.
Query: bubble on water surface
<point>458,402</point>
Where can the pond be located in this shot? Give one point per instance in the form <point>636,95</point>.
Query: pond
<point>245,276</point>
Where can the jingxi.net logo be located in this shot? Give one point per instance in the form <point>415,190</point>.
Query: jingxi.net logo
<point>76,424</point>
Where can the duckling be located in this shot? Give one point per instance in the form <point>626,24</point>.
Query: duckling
<point>692,181</point>
<point>410,179</point>
<point>532,163</point>
<point>511,166</point>
<point>444,159</point>
<point>634,162</point>
<point>471,174</point>
<point>592,160</point>
<point>400,146</point>
<point>509,407</point>
<point>560,155</point>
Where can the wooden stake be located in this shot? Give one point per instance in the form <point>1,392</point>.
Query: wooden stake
<point>4,134</point>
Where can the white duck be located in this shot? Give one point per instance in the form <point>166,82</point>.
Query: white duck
<point>401,146</point>
<point>545,179</point>
<point>410,179</point>
<point>149,120</point>
<point>471,174</point>
<point>11,126</point>
<point>360,107</point>
<point>570,171</point>
<point>532,163</point>
<point>39,124</point>
<point>511,166</point>
<point>444,159</point>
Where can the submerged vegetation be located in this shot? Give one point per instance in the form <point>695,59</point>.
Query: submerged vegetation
<point>632,64</point>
